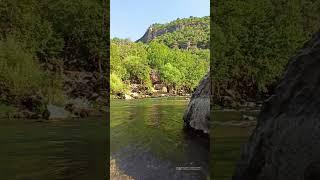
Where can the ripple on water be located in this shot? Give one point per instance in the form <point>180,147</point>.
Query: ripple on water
<point>147,141</point>
<point>53,150</point>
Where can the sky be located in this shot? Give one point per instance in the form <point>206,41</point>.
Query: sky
<point>131,18</point>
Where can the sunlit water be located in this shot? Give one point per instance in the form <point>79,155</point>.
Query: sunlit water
<point>53,150</point>
<point>228,135</point>
<point>148,141</point>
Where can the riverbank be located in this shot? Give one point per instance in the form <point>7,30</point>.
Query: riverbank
<point>153,94</point>
<point>79,94</point>
<point>75,109</point>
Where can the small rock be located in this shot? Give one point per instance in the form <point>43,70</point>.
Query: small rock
<point>126,96</point>
<point>164,89</point>
<point>248,118</point>
<point>57,112</point>
<point>135,95</point>
<point>251,104</point>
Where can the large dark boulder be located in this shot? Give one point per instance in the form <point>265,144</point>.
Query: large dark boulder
<point>197,115</point>
<point>286,142</point>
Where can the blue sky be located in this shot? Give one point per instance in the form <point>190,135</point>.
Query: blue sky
<point>131,18</point>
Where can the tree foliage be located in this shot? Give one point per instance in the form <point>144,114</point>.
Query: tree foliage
<point>192,32</point>
<point>253,40</point>
<point>34,33</point>
<point>178,68</point>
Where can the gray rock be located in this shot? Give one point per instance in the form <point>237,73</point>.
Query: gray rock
<point>80,103</point>
<point>248,118</point>
<point>159,86</point>
<point>197,115</point>
<point>164,90</point>
<point>82,108</point>
<point>286,142</point>
<point>135,95</point>
<point>127,97</point>
<point>57,112</point>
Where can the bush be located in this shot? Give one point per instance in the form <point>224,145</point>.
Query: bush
<point>19,68</point>
<point>171,75</point>
<point>116,85</point>
<point>21,73</point>
<point>138,70</point>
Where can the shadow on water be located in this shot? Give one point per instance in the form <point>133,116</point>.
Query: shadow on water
<point>230,133</point>
<point>68,149</point>
<point>148,141</point>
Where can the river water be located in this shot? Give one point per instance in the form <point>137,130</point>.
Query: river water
<point>229,133</point>
<point>74,149</point>
<point>148,141</point>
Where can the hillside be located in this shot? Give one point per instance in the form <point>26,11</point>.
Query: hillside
<point>170,59</point>
<point>186,33</point>
<point>48,57</point>
<point>253,41</point>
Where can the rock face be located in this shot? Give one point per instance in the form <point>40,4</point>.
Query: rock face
<point>84,85</point>
<point>286,142</point>
<point>178,25</point>
<point>197,115</point>
<point>153,32</point>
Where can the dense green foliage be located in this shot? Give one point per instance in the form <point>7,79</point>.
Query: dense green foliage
<point>254,39</point>
<point>133,63</point>
<point>36,33</point>
<point>190,32</point>
<point>175,53</point>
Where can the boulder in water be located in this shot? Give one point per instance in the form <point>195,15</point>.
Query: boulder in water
<point>286,142</point>
<point>197,115</point>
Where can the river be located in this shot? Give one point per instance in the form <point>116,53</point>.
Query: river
<point>53,150</point>
<point>228,135</point>
<point>148,141</point>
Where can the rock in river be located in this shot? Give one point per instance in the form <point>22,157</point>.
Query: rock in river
<point>286,142</point>
<point>197,115</point>
<point>57,112</point>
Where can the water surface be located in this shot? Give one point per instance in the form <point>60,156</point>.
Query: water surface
<point>148,141</point>
<point>228,135</point>
<point>59,150</point>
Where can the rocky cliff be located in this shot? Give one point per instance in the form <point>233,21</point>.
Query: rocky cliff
<point>183,33</point>
<point>197,115</point>
<point>286,142</point>
<point>153,32</point>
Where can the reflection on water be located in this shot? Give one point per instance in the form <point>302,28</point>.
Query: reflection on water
<point>148,141</point>
<point>228,134</point>
<point>66,150</point>
<point>116,173</point>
